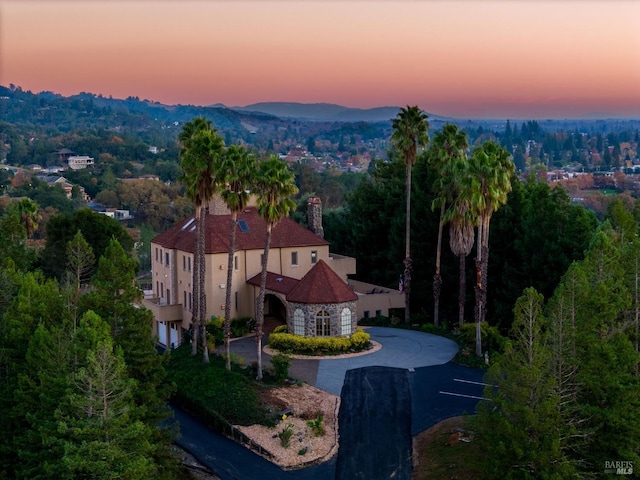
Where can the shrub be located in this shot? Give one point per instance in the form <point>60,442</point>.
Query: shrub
<point>360,340</point>
<point>281,329</point>
<point>215,330</point>
<point>242,326</point>
<point>239,327</point>
<point>281,364</point>
<point>377,321</point>
<point>491,339</point>
<point>210,391</point>
<point>289,343</point>
<point>431,328</point>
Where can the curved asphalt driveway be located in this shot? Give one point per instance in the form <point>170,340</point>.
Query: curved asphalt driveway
<point>387,396</point>
<point>400,349</point>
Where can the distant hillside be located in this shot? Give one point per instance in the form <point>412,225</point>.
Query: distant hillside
<point>322,112</point>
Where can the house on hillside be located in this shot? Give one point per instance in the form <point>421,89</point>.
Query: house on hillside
<point>78,162</point>
<point>53,180</point>
<point>308,288</point>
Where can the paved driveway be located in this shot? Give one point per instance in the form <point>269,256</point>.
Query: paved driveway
<point>392,394</point>
<point>400,349</point>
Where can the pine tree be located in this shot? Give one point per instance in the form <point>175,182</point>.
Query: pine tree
<point>518,425</point>
<point>102,439</point>
<point>113,299</point>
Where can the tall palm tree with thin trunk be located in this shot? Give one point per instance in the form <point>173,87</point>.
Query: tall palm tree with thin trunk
<point>446,150</point>
<point>410,131</point>
<point>200,154</point>
<point>275,185</point>
<point>461,239</point>
<point>490,171</point>
<point>239,173</point>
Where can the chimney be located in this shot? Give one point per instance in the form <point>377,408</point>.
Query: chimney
<point>314,216</point>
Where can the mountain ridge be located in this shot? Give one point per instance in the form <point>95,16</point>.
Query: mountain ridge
<point>321,111</point>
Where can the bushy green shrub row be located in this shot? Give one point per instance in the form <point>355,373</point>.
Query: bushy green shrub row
<point>289,343</point>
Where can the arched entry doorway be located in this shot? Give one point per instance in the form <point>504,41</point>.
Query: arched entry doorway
<point>275,312</point>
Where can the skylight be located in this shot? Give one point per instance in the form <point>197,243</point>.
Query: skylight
<point>186,225</point>
<point>244,227</point>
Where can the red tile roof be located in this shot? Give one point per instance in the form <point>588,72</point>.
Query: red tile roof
<point>287,233</point>
<point>276,283</point>
<point>321,285</point>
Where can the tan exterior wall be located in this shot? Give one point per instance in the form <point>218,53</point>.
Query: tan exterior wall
<point>373,298</point>
<point>252,260</point>
<point>176,276</point>
<point>342,265</point>
<point>304,260</point>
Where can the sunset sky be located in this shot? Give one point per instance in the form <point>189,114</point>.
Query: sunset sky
<point>460,58</point>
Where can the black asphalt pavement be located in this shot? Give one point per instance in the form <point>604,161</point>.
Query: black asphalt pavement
<point>375,425</point>
<point>382,406</point>
<point>441,392</point>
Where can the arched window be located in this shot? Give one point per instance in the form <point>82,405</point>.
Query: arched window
<point>298,322</point>
<point>345,322</point>
<point>323,324</point>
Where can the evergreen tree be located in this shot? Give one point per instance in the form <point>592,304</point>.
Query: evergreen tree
<point>519,423</point>
<point>36,308</point>
<point>97,421</point>
<point>80,260</point>
<point>113,298</point>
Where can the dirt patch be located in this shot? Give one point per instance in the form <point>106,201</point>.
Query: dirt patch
<point>304,403</point>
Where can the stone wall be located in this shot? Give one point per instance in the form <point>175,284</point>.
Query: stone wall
<point>311,310</point>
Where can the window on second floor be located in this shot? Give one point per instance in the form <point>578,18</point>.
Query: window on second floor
<point>166,258</point>
<point>236,263</point>
<point>294,259</point>
<point>314,256</point>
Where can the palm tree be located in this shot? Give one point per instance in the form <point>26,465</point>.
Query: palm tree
<point>200,153</point>
<point>461,233</point>
<point>28,215</point>
<point>410,130</point>
<point>275,187</point>
<point>239,173</point>
<point>490,170</point>
<point>447,149</point>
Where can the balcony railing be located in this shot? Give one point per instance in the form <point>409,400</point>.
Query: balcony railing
<point>163,312</point>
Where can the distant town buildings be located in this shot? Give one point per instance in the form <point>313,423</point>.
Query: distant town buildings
<point>78,162</point>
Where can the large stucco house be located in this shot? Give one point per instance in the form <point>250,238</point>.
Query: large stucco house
<point>307,286</point>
